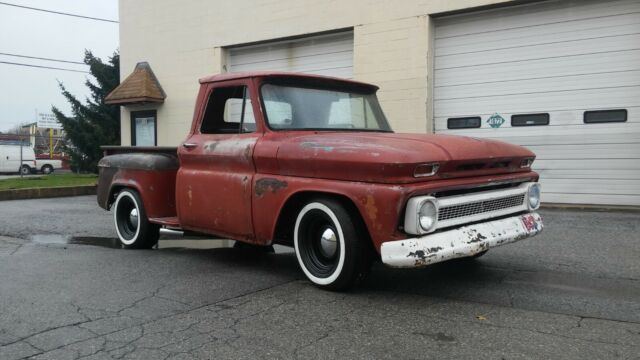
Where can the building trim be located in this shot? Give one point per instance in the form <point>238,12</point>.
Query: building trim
<point>493,6</point>
<point>289,38</point>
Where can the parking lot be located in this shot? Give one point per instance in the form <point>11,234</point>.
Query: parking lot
<point>67,293</point>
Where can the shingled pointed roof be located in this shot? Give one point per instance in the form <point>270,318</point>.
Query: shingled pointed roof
<point>141,86</point>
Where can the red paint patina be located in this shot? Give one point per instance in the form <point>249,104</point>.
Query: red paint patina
<point>248,186</point>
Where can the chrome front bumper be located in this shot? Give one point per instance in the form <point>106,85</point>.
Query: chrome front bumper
<point>460,242</point>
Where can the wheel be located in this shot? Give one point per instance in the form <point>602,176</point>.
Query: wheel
<point>331,249</point>
<point>47,169</point>
<point>132,225</point>
<point>25,170</point>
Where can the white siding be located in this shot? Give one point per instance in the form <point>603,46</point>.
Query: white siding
<point>330,55</point>
<point>557,57</point>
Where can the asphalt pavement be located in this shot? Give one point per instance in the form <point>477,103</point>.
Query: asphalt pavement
<point>67,293</point>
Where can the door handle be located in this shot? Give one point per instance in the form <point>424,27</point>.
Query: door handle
<point>189,145</point>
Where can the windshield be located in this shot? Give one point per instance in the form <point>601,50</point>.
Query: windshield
<point>297,108</point>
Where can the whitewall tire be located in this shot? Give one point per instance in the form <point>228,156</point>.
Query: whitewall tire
<point>330,246</point>
<point>132,225</point>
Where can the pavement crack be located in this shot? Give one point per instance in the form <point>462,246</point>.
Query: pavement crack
<point>141,325</point>
<point>16,249</point>
<point>33,346</point>
<point>26,338</point>
<point>153,294</point>
<point>313,342</point>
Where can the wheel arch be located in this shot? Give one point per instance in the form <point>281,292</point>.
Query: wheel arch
<point>283,230</point>
<point>115,189</point>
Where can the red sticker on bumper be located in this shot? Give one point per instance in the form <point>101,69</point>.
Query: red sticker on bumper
<point>529,222</point>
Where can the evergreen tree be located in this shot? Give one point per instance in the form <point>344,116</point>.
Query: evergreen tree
<point>93,123</point>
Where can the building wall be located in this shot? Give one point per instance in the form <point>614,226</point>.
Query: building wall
<point>183,41</point>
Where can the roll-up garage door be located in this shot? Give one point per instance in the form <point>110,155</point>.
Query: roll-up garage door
<point>561,78</point>
<point>330,55</point>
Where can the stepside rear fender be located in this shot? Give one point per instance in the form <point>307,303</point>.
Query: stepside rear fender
<point>153,175</point>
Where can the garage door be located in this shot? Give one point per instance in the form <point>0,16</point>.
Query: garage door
<point>561,78</point>
<point>330,55</point>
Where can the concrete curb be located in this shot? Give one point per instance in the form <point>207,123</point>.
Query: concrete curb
<point>37,193</point>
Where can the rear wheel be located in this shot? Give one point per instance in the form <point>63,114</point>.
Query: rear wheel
<point>25,170</point>
<point>47,169</point>
<point>132,225</point>
<point>331,249</point>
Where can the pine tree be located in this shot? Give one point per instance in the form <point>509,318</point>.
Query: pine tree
<point>92,123</point>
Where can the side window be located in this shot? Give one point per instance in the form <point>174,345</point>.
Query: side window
<point>605,116</point>
<point>228,111</point>
<point>530,119</point>
<point>463,122</point>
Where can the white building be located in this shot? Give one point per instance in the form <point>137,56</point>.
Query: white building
<point>560,77</point>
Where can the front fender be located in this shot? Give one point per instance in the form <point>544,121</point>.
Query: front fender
<point>379,205</point>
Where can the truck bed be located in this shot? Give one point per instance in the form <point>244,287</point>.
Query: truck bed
<point>112,149</point>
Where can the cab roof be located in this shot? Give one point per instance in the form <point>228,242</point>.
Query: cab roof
<point>285,75</point>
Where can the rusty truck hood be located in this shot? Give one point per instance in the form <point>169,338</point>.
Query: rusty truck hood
<point>392,158</point>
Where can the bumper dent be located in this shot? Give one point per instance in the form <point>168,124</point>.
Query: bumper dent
<point>460,242</point>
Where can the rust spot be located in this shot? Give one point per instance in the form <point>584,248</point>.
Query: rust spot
<point>141,161</point>
<point>423,255</point>
<point>433,250</point>
<point>269,184</point>
<point>371,208</point>
<point>247,153</point>
<point>475,237</point>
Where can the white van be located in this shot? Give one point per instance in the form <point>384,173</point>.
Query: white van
<point>10,159</point>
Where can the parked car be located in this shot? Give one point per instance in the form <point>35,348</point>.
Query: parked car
<point>47,166</point>
<point>10,159</point>
<point>311,162</point>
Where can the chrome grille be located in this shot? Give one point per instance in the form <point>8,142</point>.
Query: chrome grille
<point>479,207</point>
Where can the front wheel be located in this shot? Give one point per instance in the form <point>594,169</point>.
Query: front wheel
<point>330,246</point>
<point>132,225</point>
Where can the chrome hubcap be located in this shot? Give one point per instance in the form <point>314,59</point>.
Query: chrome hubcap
<point>133,218</point>
<point>328,243</point>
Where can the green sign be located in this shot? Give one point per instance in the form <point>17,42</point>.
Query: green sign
<point>495,121</point>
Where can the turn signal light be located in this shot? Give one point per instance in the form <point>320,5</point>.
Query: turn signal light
<point>527,162</point>
<point>424,170</point>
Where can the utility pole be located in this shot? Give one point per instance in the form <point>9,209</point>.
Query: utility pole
<point>20,168</point>
<point>50,143</point>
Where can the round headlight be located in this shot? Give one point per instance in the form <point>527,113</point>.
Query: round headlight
<point>534,196</point>
<point>427,215</point>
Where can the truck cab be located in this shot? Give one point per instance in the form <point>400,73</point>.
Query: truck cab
<point>311,162</point>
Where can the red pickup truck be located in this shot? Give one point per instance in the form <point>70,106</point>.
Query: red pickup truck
<point>311,162</point>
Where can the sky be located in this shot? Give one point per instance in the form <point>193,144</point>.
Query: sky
<point>23,90</point>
